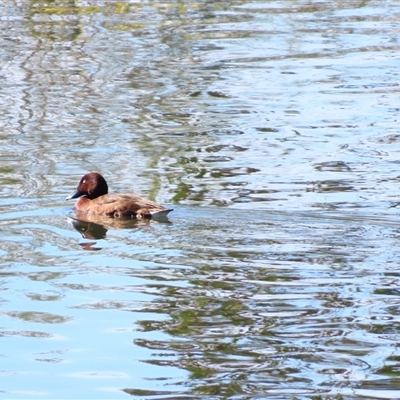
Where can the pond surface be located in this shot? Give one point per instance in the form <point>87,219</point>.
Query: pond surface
<point>271,128</point>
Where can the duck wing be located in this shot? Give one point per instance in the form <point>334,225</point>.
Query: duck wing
<point>128,205</point>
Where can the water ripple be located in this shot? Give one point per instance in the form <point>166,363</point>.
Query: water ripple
<point>272,127</point>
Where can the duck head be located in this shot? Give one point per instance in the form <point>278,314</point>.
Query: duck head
<point>92,185</point>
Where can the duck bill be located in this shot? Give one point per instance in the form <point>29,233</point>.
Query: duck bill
<point>75,195</point>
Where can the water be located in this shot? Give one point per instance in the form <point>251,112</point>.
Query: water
<point>271,129</point>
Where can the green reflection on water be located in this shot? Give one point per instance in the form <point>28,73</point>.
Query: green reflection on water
<point>41,317</point>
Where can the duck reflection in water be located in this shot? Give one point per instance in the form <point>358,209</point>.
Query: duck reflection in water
<point>96,227</point>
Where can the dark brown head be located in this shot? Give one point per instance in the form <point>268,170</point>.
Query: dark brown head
<point>92,185</point>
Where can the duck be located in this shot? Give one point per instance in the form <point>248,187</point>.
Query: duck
<point>93,199</point>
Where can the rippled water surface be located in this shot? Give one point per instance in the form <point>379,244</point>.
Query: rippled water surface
<point>271,128</point>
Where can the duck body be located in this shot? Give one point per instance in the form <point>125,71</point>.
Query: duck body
<point>93,198</point>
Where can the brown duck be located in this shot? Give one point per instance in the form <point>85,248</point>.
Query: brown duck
<point>93,198</point>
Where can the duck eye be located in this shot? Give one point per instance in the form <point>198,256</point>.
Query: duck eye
<point>84,181</point>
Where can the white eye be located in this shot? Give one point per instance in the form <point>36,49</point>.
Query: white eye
<point>84,181</point>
